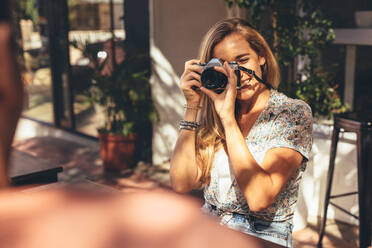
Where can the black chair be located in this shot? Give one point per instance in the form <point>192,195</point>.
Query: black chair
<point>361,124</point>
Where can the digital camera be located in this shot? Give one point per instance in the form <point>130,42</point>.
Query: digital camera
<point>215,80</point>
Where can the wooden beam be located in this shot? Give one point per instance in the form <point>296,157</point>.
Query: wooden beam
<point>353,36</point>
<point>350,75</point>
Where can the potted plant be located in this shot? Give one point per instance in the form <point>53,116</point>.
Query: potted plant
<point>124,94</point>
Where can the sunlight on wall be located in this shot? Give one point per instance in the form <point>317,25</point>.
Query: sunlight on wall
<point>176,30</point>
<point>27,129</point>
<point>169,100</point>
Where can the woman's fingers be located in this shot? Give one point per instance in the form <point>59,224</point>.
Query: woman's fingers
<point>210,93</point>
<point>193,65</point>
<point>190,80</point>
<point>196,68</point>
<point>221,69</point>
<point>191,62</point>
<point>231,76</point>
<point>193,75</point>
<point>194,85</point>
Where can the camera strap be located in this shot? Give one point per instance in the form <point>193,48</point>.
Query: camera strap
<point>237,73</point>
<point>251,72</point>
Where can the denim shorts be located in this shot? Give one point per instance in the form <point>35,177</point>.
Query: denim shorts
<point>276,232</point>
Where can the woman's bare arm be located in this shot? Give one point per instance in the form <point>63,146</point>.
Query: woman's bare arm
<point>259,184</point>
<point>185,173</point>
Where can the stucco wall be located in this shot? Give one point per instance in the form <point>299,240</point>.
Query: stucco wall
<point>177,28</point>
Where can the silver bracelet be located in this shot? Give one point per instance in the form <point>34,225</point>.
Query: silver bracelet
<point>192,107</point>
<point>188,125</point>
<point>187,128</point>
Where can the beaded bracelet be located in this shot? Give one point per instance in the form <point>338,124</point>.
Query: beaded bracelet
<point>187,128</point>
<point>192,107</point>
<point>188,125</point>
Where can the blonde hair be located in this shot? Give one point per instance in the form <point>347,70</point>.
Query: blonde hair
<point>210,136</point>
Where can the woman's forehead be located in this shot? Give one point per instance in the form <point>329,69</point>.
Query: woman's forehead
<point>232,46</point>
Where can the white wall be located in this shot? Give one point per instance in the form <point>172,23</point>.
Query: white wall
<point>313,185</point>
<point>177,28</point>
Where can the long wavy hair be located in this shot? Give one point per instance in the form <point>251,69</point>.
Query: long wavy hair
<point>210,135</point>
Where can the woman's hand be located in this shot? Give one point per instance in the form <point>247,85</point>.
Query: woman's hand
<point>191,79</point>
<point>224,103</point>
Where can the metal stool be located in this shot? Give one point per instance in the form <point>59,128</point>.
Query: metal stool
<point>361,124</point>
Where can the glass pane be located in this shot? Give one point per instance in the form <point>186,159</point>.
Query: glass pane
<point>36,74</point>
<point>90,48</point>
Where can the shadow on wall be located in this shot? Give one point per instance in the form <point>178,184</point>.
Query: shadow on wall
<point>169,100</point>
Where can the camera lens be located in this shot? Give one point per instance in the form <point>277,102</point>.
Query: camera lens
<point>213,80</point>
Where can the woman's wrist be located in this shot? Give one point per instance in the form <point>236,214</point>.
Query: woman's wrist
<point>190,115</point>
<point>192,106</point>
<point>191,111</point>
<point>228,121</point>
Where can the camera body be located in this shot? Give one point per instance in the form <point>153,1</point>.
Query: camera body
<point>215,80</point>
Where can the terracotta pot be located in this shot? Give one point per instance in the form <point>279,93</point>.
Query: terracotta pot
<point>117,151</point>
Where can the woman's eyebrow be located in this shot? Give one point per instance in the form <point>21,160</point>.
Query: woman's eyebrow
<point>242,55</point>
<point>236,58</point>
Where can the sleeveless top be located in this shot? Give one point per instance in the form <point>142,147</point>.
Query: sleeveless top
<point>284,122</point>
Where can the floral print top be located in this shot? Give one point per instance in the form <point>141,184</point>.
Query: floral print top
<point>284,122</point>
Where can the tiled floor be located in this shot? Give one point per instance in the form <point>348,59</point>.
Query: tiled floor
<point>337,235</point>
<point>83,162</point>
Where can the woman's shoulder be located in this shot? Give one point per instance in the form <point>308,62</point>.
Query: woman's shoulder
<point>281,103</point>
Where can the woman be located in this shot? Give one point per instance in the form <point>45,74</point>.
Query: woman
<point>11,90</point>
<point>251,144</point>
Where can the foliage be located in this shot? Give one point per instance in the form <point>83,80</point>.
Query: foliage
<point>297,31</point>
<point>27,9</point>
<point>125,96</point>
<point>320,96</point>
